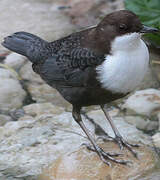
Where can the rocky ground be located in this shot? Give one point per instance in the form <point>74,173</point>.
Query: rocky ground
<point>36,125</point>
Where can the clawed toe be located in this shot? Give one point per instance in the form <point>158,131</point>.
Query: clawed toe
<point>105,156</point>
<point>91,148</point>
<point>121,142</point>
<point>109,156</point>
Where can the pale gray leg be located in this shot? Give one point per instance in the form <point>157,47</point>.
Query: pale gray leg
<point>118,138</point>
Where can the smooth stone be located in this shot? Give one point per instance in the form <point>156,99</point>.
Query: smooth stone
<point>11,94</point>
<point>85,165</point>
<point>44,93</point>
<point>142,123</point>
<point>42,108</point>
<point>15,60</point>
<point>143,102</point>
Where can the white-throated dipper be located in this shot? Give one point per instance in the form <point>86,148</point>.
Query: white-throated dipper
<point>91,67</point>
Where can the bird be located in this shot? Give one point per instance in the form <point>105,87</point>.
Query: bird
<point>94,66</point>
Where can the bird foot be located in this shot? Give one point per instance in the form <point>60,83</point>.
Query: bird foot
<point>105,138</point>
<point>105,156</point>
<point>123,143</point>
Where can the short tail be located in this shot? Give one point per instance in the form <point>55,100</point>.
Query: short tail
<point>29,45</point>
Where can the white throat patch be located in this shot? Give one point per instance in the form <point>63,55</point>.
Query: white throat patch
<point>125,68</point>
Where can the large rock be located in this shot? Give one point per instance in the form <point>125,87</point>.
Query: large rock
<point>143,102</point>
<point>86,165</point>
<point>36,140</point>
<point>31,143</point>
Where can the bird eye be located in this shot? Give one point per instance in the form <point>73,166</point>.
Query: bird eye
<point>122,27</point>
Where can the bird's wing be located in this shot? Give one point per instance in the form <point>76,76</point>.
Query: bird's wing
<point>71,67</point>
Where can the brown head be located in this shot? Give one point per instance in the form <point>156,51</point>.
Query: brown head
<point>116,24</point>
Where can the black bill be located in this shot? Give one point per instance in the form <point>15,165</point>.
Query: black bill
<point>147,29</point>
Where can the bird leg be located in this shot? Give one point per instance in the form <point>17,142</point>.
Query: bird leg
<point>103,155</point>
<point>99,131</point>
<point>118,138</point>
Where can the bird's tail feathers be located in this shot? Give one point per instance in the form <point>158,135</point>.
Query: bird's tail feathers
<point>26,44</point>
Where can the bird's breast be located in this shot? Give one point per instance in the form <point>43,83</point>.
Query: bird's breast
<point>123,71</point>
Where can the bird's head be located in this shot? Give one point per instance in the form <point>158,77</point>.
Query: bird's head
<point>122,26</point>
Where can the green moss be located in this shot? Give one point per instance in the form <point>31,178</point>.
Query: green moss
<point>149,13</point>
